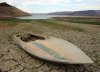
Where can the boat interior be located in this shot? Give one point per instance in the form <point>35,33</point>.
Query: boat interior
<point>30,37</point>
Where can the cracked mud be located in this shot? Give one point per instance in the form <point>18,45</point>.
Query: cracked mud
<point>14,59</point>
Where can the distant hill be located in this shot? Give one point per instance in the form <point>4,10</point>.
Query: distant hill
<point>7,10</point>
<point>78,13</point>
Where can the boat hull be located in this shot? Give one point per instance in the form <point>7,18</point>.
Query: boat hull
<point>54,50</point>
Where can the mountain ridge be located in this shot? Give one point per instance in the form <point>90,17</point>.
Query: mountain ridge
<point>78,13</point>
<point>7,10</point>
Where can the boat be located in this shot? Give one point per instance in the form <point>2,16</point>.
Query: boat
<point>51,49</point>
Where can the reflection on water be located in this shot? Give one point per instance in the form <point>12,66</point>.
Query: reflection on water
<point>41,16</point>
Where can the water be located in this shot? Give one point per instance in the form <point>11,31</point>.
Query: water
<point>41,16</point>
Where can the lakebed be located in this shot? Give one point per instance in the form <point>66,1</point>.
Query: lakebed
<point>84,34</point>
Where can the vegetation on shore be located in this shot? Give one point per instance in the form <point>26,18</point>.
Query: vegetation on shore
<point>56,24</point>
<point>84,20</point>
<point>13,22</point>
<point>41,22</point>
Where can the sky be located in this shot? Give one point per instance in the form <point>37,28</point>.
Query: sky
<point>46,6</point>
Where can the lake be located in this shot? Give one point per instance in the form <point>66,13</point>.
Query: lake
<point>41,16</point>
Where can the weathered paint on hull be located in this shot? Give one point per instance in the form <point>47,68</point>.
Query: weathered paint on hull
<point>55,50</point>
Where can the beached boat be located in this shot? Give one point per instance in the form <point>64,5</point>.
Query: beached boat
<point>52,49</point>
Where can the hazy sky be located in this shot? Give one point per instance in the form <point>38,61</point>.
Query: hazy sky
<point>45,6</point>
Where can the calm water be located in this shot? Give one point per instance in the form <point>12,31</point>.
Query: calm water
<point>41,16</point>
